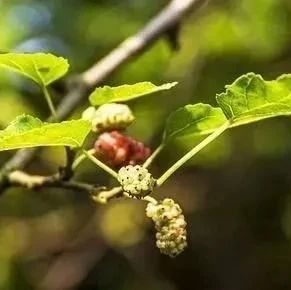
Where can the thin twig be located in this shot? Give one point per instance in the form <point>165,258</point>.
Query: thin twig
<point>67,171</point>
<point>101,164</point>
<point>81,158</point>
<point>22,179</point>
<point>153,156</point>
<point>167,18</point>
<point>106,195</point>
<point>150,199</point>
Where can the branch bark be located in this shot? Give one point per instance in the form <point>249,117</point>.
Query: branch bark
<point>22,179</point>
<point>170,16</point>
<point>99,194</point>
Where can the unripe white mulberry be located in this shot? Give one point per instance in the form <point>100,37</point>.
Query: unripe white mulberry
<point>170,225</point>
<point>112,116</point>
<point>136,180</point>
<point>89,114</point>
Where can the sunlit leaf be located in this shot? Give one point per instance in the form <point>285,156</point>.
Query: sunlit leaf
<point>193,120</point>
<point>27,131</point>
<point>250,98</point>
<point>125,93</point>
<point>42,68</point>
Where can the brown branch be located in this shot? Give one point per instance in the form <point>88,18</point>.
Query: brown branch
<point>66,172</point>
<point>170,16</point>
<point>99,194</point>
<point>166,19</point>
<point>22,179</point>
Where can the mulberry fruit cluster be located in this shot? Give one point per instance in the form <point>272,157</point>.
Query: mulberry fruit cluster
<point>109,117</point>
<point>170,225</point>
<point>119,150</point>
<point>136,180</point>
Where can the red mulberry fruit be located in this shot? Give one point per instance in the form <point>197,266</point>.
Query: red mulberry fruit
<point>119,150</point>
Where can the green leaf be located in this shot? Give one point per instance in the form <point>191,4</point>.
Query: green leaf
<point>27,131</point>
<point>250,98</point>
<point>125,93</point>
<point>42,68</point>
<point>193,120</point>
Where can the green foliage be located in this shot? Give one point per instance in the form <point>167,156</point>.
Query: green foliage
<point>231,38</point>
<point>126,92</point>
<point>250,98</point>
<point>42,68</point>
<point>27,131</point>
<point>197,120</point>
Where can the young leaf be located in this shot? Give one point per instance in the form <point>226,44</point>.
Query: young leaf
<point>27,131</point>
<point>125,93</point>
<point>42,68</point>
<point>195,120</point>
<point>250,98</point>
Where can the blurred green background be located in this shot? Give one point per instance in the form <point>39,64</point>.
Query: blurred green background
<point>235,194</point>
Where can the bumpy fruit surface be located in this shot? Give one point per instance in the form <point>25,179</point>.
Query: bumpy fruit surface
<point>112,116</point>
<point>136,180</point>
<point>170,225</point>
<point>118,150</point>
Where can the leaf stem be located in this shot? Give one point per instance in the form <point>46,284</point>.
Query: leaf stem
<point>149,161</point>
<point>101,164</point>
<point>81,158</point>
<point>192,152</point>
<point>104,196</point>
<point>150,199</point>
<point>49,102</point>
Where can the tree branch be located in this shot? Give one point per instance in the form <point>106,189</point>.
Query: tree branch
<point>22,179</point>
<point>170,16</point>
<point>156,28</point>
<point>99,194</point>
